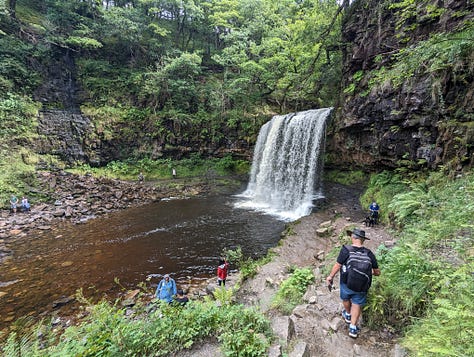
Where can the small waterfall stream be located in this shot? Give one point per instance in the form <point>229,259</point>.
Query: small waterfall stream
<point>287,165</point>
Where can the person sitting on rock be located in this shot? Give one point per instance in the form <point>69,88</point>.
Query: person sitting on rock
<point>25,205</point>
<point>180,298</point>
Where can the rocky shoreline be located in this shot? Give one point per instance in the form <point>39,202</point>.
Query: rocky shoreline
<point>79,198</point>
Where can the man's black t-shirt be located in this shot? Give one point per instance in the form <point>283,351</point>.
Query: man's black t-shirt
<point>344,255</point>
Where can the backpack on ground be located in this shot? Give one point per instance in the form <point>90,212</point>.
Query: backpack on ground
<point>358,269</point>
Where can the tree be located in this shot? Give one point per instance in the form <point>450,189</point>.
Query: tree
<point>11,7</point>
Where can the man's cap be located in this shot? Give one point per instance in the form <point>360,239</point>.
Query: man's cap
<point>166,276</point>
<point>359,233</point>
<point>180,292</point>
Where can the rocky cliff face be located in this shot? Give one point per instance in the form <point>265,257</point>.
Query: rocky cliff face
<point>426,121</point>
<point>64,131</point>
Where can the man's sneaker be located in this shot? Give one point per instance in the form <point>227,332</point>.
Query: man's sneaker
<point>346,316</point>
<point>354,331</point>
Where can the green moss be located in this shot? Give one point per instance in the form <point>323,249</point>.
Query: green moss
<point>346,177</point>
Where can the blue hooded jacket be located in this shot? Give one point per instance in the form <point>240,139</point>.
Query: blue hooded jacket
<point>166,289</point>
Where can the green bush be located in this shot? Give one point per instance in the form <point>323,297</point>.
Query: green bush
<point>107,331</point>
<point>448,327</point>
<point>247,266</point>
<point>291,291</point>
<point>426,283</point>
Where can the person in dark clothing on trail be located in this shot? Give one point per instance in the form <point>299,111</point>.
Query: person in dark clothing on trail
<point>357,265</point>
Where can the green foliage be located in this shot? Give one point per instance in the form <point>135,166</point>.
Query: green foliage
<point>411,12</point>
<point>17,117</point>
<point>247,266</point>
<point>173,84</point>
<point>15,65</point>
<point>381,188</point>
<point>451,315</point>
<point>356,78</point>
<point>108,331</point>
<point>196,85</point>
<point>292,290</point>
<point>427,278</point>
<point>83,42</point>
<point>442,52</point>
<point>160,169</point>
<point>407,285</point>
<point>17,174</point>
<point>346,177</point>
<point>224,296</point>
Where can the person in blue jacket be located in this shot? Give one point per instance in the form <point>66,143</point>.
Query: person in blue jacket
<point>374,210</point>
<point>166,289</point>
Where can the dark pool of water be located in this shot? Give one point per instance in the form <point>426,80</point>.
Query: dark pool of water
<point>180,237</point>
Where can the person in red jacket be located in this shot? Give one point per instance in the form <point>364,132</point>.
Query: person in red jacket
<point>222,270</point>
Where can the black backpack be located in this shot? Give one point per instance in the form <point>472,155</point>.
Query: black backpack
<point>358,269</point>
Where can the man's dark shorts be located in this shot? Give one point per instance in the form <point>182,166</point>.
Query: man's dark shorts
<point>355,297</point>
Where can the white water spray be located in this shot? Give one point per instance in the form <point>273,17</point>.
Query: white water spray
<point>287,164</point>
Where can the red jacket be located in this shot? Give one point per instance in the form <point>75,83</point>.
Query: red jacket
<point>222,271</point>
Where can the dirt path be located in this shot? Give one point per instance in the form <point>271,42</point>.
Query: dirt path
<point>315,328</point>
<point>317,322</point>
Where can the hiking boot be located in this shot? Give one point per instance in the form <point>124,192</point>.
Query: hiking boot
<point>346,317</point>
<point>354,331</point>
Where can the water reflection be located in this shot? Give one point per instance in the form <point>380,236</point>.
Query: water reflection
<point>181,237</point>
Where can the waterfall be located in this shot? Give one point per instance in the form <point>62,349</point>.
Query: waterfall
<point>287,165</point>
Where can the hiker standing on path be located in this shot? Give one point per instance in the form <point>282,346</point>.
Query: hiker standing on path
<point>358,265</point>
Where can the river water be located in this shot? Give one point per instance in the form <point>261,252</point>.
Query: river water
<point>180,237</point>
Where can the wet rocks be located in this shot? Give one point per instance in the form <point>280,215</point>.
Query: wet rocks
<point>63,301</point>
<point>77,199</point>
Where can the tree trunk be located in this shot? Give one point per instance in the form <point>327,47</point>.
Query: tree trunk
<point>12,8</point>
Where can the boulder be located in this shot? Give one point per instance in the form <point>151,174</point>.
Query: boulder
<point>301,349</point>
<point>284,328</point>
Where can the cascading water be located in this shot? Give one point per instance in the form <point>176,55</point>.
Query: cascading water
<point>287,165</point>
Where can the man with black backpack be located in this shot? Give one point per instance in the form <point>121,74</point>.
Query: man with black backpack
<point>357,265</point>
